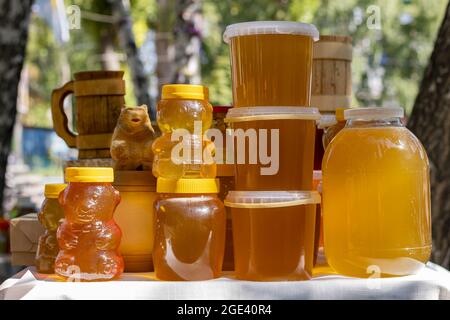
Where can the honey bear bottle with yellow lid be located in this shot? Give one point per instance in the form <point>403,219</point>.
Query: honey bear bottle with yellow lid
<point>89,237</point>
<point>50,216</point>
<point>183,111</point>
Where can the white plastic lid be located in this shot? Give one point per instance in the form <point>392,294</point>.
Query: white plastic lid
<point>374,113</point>
<point>326,120</point>
<point>270,199</point>
<point>270,27</point>
<point>271,113</point>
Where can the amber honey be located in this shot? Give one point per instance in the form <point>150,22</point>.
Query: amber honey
<point>273,151</point>
<point>273,234</point>
<point>189,232</point>
<point>271,63</point>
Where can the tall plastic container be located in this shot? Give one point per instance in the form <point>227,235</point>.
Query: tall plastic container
<point>274,147</point>
<point>271,62</point>
<point>273,234</point>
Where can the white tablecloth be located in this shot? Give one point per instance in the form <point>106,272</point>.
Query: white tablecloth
<point>432,282</point>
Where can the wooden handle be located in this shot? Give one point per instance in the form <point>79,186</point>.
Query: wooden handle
<point>60,121</point>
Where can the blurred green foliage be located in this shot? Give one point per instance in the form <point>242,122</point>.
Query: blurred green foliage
<point>390,59</point>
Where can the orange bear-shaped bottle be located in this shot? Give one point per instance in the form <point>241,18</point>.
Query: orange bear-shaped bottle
<point>89,238</point>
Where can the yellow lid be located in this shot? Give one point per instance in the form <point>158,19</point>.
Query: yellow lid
<point>53,190</point>
<point>340,114</point>
<point>187,185</point>
<point>184,91</point>
<point>89,174</point>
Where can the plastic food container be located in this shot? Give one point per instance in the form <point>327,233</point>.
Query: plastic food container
<point>273,234</point>
<point>271,62</point>
<point>49,216</point>
<point>190,226</point>
<point>134,215</point>
<point>376,196</point>
<point>273,147</point>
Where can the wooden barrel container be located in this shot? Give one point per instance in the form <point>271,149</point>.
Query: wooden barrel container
<point>134,215</point>
<point>332,73</point>
<point>99,98</point>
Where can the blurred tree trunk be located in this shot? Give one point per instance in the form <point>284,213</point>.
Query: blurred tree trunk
<point>121,13</point>
<point>430,121</point>
<point>14,21</point>
<point>178,41</point>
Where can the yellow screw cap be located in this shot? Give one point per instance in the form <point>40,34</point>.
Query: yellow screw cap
<point>89,174</point>
<point>340,114</point>
<point>53,190</point>
<point>164,185</point>
<point>184,91</point>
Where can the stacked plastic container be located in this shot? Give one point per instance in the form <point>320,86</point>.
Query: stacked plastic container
<point>273,127</point>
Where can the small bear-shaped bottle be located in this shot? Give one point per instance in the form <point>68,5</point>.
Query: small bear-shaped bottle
<point>131,145</point>
<point>50,217</point>
<point>89,238</point>
<point>184,109</point>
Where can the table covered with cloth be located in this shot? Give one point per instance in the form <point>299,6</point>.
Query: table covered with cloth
<point>433,282</point>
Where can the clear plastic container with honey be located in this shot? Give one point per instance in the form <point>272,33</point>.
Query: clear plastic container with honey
<point>184,109</point>
<point>89,238</point>
<point>271,62</point>
<point>190,222</point>
<point>273,234</point>
<point>376,197</point>
<point>273,147</point>
<point>50,216</point>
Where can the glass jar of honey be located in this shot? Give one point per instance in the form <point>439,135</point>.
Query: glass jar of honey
<point>376,196</point>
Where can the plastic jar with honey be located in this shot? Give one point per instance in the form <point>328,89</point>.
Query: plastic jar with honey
<point>89,238</point>
<point>273,234</point>
<point>184,110</point>
<point>134,216</point>
<point>271,62</point>
<point>189,230</point>
<point>225,174</point>
<point>274,147</point>
<point>376,196</point>
<point>333,129</point>
<point>50,217</point>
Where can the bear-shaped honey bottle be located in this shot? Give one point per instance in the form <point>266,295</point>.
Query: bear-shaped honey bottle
<point>50,217</point>
<point>131,146</point>
<point>182,150</point>
<point>89,237</point>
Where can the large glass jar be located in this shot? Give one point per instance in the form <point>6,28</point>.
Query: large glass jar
<point>376,196</point>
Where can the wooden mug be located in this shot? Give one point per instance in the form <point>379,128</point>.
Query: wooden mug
<point>99,98</point>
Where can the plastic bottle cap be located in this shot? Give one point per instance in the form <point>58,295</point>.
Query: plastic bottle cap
<point>164,185</point>
<point>271,113</point>
<point>374,113</point>
<point>54,189</point>
<point>184,91</point>
<point>270,27</point>
<point>270,199</point>
<point>89,174</point>
<point>326,120</point>
<point>340,114</point>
